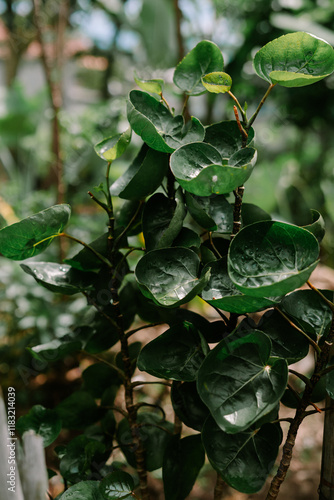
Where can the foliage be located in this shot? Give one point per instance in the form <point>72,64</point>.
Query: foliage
<point>197,238</point>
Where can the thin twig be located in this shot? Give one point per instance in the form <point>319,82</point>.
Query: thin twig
<point>315,289</point>
<point>311,341</point>
<point>253,118</point>
<point>132,332</point>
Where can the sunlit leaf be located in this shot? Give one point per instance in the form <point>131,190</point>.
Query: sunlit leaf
<point>113,147</point>
<point>217,82</point>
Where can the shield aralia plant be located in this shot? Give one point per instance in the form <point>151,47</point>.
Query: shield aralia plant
<point>183,193</point>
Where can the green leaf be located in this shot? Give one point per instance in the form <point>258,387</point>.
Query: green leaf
<point>221,292</point>
<point>44,422</point>
<point>113,147</point>
<point>33,235</point>
<point>155,434</point>
<point>59,278</point>
<point>188,406</point>
<point>155,85</point>
<point>226,138</point>
<point>170,276</point>
<point>99,377</point>
<point>271,258</point>
<point>200,169</point>
<point>156,125</point>
<point>217,82</point>
<point>143,177</point>
<point>244,460</point>
<point>81,455</point>
<point>239,382</point>
<point>125,215</point>
<point>295,60</point>
<point>251,213</point>
<point>78,410</point>
<point>204,58</point>
<point>317,226</point>
<point>85,490</point>
<point>56,349</point>
<point>187,238</point>
<point>183,460</point>
<point>287,342</point>
<point>309,311</point>
<point>86,260</point>
<point>163,220</point>
<point>213,212</point>
<point>176,354</point>
<point>117,485</point>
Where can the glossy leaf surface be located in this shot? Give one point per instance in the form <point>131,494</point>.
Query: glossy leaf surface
<point>156,125</point>
<point>85,490</point>
<point>188,405</point>
<point>217,82</point>
<point>251,213</point>
<point>271,258</point>
<point>113,147</point>
<point>200,169</point>
<point>287,342</point>
<point>240,383</point>
<point>183,460</point>
<point>56,349</point>
<point>79,457</point>
<point>59,278</point>
<point>244,460</point>
<point>170,276</point>
<point>155,434</point>
<point>143,177</point>
<point>44,422</point>
<point>204,58</point>
<point>226,138</point>
<point>117,485</point>
<point>162,220</point>
<point>295,60</point>
<point>154,85</point>
<point>222,293</point>
<point>309,311</point>
<point>176,354</point>
<point>33,235</point>
<point>214,212</point>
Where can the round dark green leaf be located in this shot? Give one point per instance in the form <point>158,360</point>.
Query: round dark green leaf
<point>85,490</point>
<point>156,125</point>
<point>251,213</point>
<point>187,238</point>
<point>221,292</point>
<point>176,354</point>
<point>244,460</point>
<point>78,410</point>
<point>213,212</point>
<point>33,235</point>
<point>295,60</point>
<point>309,311</point>
<point>287,342</point>
<point>113,147</point>
<point>162,220</point>
<point>56,349</point>
<point>98,377</point>
<point>117,485</point>
<point>202,59</point>
<point>239,382</point>
<point>226,138</point>
<point>271,258</point>
<point>143,177</point>
<point>200,169</point>
<point>188,406</point>
<point>80,455</point>
<point>169,276</point>
<point>155,434</point>
<point>59,278</point>
<point>154,85</point>
<point>183,460</point>
<point>217,82</point>
<point>44,422</point>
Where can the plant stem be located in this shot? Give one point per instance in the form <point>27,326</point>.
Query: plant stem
<point>243,132</point>
<point>253,118</point>
<point>321,363</point>
<point>238,194</point>
<point>242,111</point>
<point>315,289</point>
<point>219,488</point>
<point>311,341</point>
<point>91,249</point>
<point>132,332</point>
